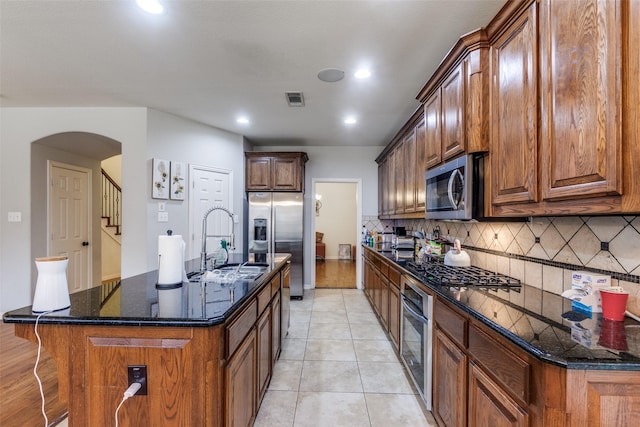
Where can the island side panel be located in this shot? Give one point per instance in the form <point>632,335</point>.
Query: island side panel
<point>56,340</point>
<point>184,373</point>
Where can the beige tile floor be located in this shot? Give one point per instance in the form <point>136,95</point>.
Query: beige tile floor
<point>337,368</point>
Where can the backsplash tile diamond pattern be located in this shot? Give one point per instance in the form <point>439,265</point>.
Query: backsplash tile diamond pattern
<point>565,244</point>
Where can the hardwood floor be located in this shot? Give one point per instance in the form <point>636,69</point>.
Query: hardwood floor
<point>333,273</point>
<point>19,394</point>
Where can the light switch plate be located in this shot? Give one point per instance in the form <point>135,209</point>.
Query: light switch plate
<point>14,216</point>
<point>163,216</point>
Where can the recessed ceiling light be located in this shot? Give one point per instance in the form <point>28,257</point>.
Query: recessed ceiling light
<point>331,75</point>
<point>350,121</point>
<point>150,6</point>
<point>242,120</point>
<point>362,74</point>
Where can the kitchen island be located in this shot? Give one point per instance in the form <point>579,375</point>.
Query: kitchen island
<point>521,356</point>
<point>208,350</point>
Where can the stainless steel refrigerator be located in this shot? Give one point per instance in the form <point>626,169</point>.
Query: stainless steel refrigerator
<point>275,223</point>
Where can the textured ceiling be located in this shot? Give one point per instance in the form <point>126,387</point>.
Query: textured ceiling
<point>211,61</point>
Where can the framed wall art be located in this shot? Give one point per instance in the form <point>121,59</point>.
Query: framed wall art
<point>177,185</point>
<point>160,179</point>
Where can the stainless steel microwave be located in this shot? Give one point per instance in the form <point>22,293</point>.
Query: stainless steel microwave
<point>454,189</point>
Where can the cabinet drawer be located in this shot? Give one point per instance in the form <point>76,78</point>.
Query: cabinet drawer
<point>240,327</point>
<point>384,268</point>
<point>511,372</point>
<point>449,321</point>
<point>264,297</point>
<point>275,285</point>
<point>394,277</point>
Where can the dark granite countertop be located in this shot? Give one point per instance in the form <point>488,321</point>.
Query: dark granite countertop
<point>139,303</point>
<point>533,320</point>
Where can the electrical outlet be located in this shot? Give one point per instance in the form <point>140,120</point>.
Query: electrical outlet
<point>138,374</point>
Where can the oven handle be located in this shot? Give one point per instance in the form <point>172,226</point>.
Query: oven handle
<point>412,311</point>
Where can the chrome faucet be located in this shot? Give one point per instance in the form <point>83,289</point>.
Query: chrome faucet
<point>203,252</point>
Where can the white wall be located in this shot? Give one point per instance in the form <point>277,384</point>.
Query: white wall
<point>19,127</point>
<point>113,167</point>
<point>144,134</point>
<point>338,215</point>
<point>176,139</point>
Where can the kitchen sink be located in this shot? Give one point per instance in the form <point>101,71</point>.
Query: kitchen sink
<point>229,273</point>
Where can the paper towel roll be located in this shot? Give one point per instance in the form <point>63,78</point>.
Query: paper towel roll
<point>170,260</point>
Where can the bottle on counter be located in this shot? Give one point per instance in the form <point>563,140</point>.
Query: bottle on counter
<point>222,255</point>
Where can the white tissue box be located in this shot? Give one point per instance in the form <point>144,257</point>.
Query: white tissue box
<point>590,283</point>
<point>582,279</point>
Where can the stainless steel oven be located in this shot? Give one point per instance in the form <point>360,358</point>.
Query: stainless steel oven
<point>416,337</point>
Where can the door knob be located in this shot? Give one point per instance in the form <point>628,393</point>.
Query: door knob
<point>85,243</point>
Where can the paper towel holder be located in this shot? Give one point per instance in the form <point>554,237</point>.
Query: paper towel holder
<point>167,286</point>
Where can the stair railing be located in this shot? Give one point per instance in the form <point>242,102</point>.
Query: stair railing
<point>111,202</point>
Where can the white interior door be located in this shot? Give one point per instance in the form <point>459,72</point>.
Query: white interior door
<point>69,221</point>
<point>209,187</point>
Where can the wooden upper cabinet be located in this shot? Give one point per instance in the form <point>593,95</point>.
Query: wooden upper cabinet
<point>581,98</point>
<point>476,100</point>
<point>456,103</point>
<point>452,113</point>
<point>421,164</point>
<point>382,183</point>
<point>275,171</point>
<point>399,167</point>
<point>287,173</point>
<point>514,150</point>
<point>409,168</point>
<point>433,130</point>
<point>391,184</point>
<point>258,173</point>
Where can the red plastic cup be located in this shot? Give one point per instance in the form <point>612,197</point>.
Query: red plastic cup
<point>614,303</point>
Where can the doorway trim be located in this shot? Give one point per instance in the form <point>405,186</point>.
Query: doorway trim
<point>358,183</point>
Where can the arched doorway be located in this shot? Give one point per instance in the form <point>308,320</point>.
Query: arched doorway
<point>73,150</point>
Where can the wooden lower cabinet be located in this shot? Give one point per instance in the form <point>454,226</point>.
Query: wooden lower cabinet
<point>382,288</point>
<point>383,285</point>
<point>489,405</point>
<point>394,316</point>
<point>603,398</point>
<point>265,358</point>
<point>480,378</point>
<point>449,382</point>
<point>240,379</point>
<point>276,319</point>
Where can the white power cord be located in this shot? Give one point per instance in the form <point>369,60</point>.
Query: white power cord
<point>35,367</point>
<point>132,390</point>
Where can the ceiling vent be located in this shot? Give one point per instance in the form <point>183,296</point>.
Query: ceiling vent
<point>295,99</point>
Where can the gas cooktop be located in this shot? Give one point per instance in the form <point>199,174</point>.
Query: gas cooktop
<point>436,273</point>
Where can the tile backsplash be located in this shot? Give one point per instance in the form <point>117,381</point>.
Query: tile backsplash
<point>544,251</point>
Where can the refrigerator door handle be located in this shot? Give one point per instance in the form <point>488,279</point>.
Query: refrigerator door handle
<point>272,243</point>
